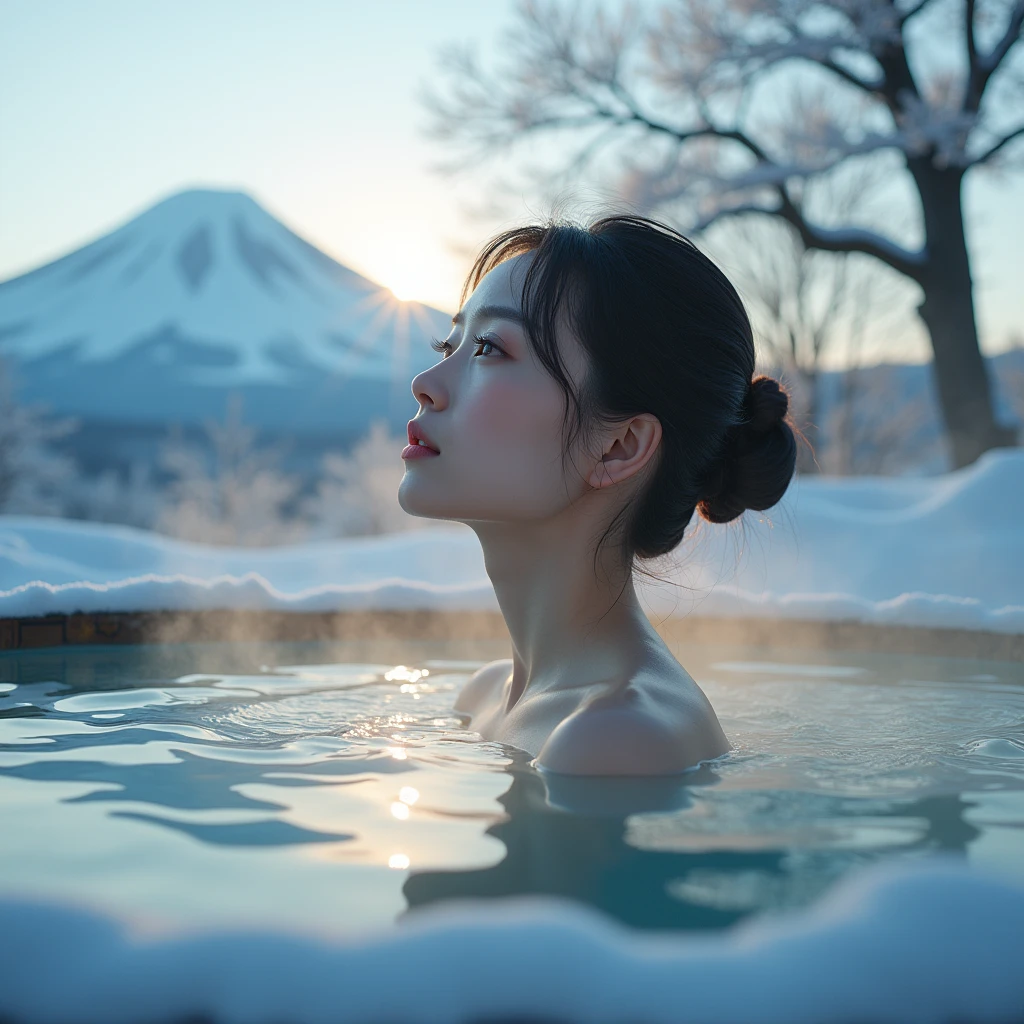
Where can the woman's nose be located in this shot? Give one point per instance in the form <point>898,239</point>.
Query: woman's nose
<point>428,391</point>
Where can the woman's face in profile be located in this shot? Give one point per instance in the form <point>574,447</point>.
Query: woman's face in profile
<point>494,414</point>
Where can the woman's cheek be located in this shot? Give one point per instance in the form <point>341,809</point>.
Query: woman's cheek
<point>523,425</point>
<point>501,412</point>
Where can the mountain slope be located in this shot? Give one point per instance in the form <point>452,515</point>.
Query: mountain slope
<point>203,294</point>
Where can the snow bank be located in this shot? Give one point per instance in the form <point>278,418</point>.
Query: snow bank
<point>915,944</point>
<point>943,552</point>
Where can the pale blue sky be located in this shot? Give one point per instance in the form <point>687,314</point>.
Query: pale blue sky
<point>107,106</point>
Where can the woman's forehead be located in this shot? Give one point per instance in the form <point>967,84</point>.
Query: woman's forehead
<point>502,285</point>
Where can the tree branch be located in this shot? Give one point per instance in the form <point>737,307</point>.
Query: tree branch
<point>992,150</point>
<point>727,212</point>
<point>851,240</point>
<point>585,155</point>
<point>707,130</point>
<point>828,239</point>
<point>818,49</point>
<point>1010,36</point>
<point>972,46</point>
<point>982,68</point>
<point>871,88</point>
<point>916,9</point>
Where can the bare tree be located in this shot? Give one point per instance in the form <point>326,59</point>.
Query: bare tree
<point>688,102</point>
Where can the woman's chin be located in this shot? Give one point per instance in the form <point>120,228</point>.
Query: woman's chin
<point>415,505</point>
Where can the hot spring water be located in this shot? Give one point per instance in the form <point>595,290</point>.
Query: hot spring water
<point>310,787</point>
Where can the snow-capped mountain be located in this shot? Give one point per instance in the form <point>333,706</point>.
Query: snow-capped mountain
<point>202,295</point>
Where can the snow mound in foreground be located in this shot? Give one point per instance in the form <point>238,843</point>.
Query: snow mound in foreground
<point>930,943</point>
<point>945,551</point>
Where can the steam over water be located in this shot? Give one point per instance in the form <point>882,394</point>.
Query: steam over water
<point>328,787</point>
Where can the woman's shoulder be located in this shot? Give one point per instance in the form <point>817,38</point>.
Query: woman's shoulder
<point>650,726</point>
<point>482,685</point>
<point>612,740</point>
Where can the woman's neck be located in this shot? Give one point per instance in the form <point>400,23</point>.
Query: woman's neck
<point>569,625</point>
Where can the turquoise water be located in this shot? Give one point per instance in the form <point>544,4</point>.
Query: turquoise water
<point>327,786</point>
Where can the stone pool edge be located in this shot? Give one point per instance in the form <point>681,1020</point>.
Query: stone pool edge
<point>241,625</point>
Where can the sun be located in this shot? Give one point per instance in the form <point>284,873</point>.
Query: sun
<point>404,289</point>
<point>418,274</point>
<point>413,281</point>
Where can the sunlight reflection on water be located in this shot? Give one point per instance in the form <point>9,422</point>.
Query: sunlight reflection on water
<point>203,786</point>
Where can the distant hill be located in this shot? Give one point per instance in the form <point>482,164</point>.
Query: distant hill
<point>206,294</point>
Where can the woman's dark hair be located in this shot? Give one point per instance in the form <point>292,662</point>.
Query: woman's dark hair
<point>666,334</point>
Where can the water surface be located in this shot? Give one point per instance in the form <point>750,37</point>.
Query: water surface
<point>331,787</point>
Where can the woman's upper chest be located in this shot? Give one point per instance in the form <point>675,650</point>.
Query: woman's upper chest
<point>530,721</point>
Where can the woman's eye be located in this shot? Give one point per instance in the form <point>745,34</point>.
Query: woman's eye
<point>445,347</point>
<point>487,341</point>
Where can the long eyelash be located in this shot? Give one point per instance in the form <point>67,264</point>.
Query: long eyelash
<point>445,346</point>
<point>491,342</point>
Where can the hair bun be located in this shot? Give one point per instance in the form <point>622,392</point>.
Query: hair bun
<point>758,459</point>
<point>766,404</point>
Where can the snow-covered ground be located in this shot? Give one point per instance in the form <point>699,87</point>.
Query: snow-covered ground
<point>942,551</point>
<point>917,944</point>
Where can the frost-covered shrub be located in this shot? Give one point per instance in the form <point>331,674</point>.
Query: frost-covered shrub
<point>228,490</point>
<point>358,492</point>
<point>132,499</point>
<point>34,476</point>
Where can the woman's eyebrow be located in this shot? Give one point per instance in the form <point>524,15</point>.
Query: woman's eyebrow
<point>493,313</point>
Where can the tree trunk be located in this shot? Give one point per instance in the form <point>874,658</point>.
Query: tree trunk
<point>961,378</point>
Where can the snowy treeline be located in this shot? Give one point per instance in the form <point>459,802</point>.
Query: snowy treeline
<point>224,488</point>
<point>227,488</point>
<point>33,475</point>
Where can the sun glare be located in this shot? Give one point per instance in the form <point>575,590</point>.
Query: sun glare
<point>414,272</point>
<point>411,284</point>
<point>404,291</point>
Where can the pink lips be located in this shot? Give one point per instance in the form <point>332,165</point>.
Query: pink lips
<point>418,451</point>
<point>414,450</point>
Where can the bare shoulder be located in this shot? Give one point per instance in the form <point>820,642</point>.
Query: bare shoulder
<point>612,741</point>
<point>482,685</point>
<point>630,736</point>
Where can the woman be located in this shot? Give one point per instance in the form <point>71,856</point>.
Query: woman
<point>595,390</point>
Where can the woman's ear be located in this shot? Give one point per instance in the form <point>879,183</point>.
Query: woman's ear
<point>627,449</point>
